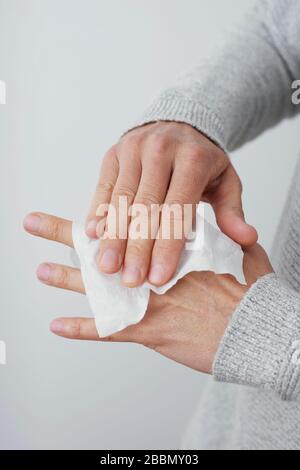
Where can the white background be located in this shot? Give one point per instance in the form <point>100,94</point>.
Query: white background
<point>78,73</point>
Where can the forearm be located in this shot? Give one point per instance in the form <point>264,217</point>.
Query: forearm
<point>246,87</point>
<point>261,345</point>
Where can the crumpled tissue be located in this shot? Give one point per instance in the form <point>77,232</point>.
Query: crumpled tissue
<point>115,306</point>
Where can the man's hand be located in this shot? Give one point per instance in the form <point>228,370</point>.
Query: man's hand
<point>164,163</point>
<point>185,324</point>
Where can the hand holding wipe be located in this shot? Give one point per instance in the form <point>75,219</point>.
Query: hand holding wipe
<point>115,306</point>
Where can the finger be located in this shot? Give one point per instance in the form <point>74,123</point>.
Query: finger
<point>113,246</point>
<point>226,201</point>
<point>107,180</point>
<point>85,329</point>
<point>49,227</point>
<point>151,194</point>
<point>75,328</point>
<point>186,187</point>
<point>63,277</point>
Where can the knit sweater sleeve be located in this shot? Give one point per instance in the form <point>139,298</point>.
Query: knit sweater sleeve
<point>261,346</point>
<point>246,86</point>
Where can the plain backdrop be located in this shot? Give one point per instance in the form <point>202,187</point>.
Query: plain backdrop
<point>78,72</point>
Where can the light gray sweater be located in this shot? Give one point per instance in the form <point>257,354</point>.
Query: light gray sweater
<point>254,401</point>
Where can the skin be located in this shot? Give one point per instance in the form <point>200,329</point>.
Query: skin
<point>186,324</point>
<point>164,162</point>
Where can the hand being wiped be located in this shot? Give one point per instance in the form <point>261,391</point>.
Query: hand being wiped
<point>185,324</point>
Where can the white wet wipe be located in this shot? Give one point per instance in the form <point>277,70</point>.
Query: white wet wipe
<point>115,306</point>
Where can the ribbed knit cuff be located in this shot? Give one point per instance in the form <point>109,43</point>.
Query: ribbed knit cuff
<point>261,346</point>
<point>187,111</point>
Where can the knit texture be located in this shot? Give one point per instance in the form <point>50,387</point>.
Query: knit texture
<point>244,89</point>
<point>260,345</point>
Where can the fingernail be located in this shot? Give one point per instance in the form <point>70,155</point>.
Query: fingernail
<point>157,274</point>
<point>43,272</point>
<point>109,260</point>
<point>131,275</point>
<point>32,223</point>
<point>57,326</point>
<point>91,227</point>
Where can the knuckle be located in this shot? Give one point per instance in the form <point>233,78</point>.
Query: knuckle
<point>55,229</point>
<point>147,198</point>
<point>105,187</point>
<point>203,153</point>
<point>134,250</point>
<point>194,151</point>
<point>76,329</point>
<point>193,155</point>
<point>159,143</point>
<point>123,190</point>
<point>130,141</point>
<point>61,277</point>
<point>181,199</point>
<point>197,158</point>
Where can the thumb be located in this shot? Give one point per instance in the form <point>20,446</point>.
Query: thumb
<point>226,200</point>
